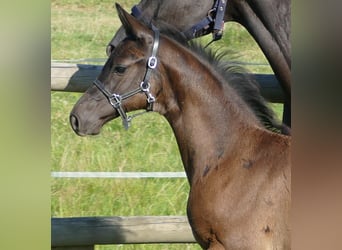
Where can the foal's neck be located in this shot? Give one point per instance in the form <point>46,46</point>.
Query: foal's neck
<point>207,116</point>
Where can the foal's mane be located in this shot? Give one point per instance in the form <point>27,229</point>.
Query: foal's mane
<point>242,81</point>
<point>234,75</point>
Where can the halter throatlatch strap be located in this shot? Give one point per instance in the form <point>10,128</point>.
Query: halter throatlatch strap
<point>213,23</point>
<point>116,100</point>
<point>219,23</point>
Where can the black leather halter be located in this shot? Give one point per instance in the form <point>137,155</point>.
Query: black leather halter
<point>213,22</point>
<point>116,100</point>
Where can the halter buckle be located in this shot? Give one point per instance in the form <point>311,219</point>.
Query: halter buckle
<point>115,100</point>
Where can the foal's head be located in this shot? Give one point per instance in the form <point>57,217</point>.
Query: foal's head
<point>124,83</point>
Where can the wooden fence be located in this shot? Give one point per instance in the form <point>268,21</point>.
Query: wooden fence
<point>78,77</point>
<point>86,232</point>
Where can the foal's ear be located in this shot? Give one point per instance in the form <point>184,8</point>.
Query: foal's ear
<point>132,26</point>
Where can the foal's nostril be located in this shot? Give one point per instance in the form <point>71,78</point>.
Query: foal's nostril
<point>74,122</point>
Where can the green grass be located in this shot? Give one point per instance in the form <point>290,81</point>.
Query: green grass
<point>82,29</point>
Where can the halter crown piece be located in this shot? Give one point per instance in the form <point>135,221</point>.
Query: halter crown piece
<point>116,100</point>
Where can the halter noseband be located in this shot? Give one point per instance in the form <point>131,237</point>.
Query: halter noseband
<point>116,100</point>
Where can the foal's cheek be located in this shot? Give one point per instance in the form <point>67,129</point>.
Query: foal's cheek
<point>92,94</point>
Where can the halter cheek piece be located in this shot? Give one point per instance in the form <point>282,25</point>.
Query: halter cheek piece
<point>116,100</point>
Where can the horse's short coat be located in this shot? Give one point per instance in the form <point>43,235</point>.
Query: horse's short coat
<point>239,172</point>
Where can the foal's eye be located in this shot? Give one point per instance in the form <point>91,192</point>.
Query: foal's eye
<point>119,69</point>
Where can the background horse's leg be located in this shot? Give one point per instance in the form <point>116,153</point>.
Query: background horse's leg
<point>287,114</point>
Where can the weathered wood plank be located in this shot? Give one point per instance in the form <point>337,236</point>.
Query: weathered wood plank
<point>73,77</point>
<point>88,231</point>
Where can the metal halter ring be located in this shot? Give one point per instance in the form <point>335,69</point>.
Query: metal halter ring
<point>152,62</point>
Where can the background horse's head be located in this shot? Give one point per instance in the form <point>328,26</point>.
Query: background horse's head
<point>178,13</point>
<point>123,84</point>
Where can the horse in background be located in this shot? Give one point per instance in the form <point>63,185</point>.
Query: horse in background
<point>268,22</point>
<point>238,171</point>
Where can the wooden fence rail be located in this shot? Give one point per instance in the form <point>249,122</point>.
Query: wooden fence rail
<point>78,77</point>
<point>85,232</point>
